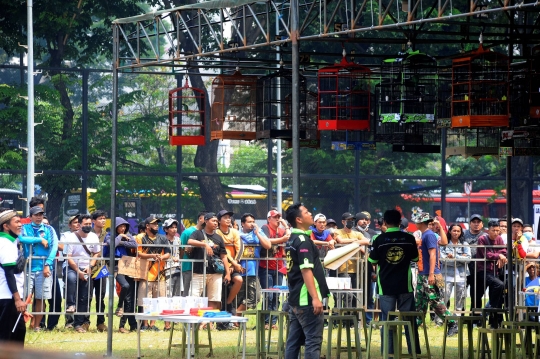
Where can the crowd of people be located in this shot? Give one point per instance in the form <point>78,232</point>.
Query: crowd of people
<point>230,264</point>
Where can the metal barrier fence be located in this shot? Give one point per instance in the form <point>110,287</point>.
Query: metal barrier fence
<point>67,289</point>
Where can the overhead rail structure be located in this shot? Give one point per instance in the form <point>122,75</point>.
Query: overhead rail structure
<point>214,28</point>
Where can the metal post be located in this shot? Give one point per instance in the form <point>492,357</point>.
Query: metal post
<point>269,165</point>
<point>443,172</point>
<point>510,304</point>
<point>357,182</point>
<point>30,63</point>
<point>113,188</point>
<point>279,189</point>
<point>179,189</point>
<point>295,101</point>
<point>84,158</point>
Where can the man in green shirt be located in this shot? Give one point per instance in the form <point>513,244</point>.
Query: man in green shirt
<point>307,287</point>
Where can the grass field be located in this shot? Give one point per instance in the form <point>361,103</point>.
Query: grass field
<point>154,344</point>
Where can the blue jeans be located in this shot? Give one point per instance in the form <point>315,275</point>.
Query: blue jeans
<point>306,329</point>
<point>269,278</point>
<point>405,303</point>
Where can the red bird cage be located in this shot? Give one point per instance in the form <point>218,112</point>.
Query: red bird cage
<point>480,88</point>
<point>186,116</point>
<point>344,97</point>
<point>233,107</point>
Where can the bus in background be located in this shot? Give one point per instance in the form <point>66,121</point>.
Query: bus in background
<point>489,203</point>
<point>12,199</point>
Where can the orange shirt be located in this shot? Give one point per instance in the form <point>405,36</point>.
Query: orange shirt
<point>154,268</point>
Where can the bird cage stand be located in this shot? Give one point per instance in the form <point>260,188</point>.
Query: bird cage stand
<point>187,116</point>
<point>233,107</point>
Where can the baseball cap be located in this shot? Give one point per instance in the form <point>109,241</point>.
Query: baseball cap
<point>362,215</point>
<point>404,223</point>
<point>36,210</point>
<point>72,218</point>
<point>422,218</point>
<point>209,215</point>
<point>273,213</point>
<point>319,216</point>
<point>347,215</point>
<point>330,221</point>
<point>152,219</point>
<point>223,212</point>
<point>530,264</point>
<point>475,216</point>
<point>169,222</point>
<point>514,220</point>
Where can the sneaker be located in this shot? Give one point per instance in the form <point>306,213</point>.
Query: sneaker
<point>144,328</point>
<point>101,328</point>
<point>452,330</point>
<point>123,330</point>
<point>38,329</point>
<point>68,326</point>
<point>80,329</point>
<point>85,326</point>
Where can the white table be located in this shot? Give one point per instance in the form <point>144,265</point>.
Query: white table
<point>281,293</point>
<point>191,322</point>
<point>354,292</point>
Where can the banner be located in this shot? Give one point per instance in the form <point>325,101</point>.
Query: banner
<point>336,257</point>
<point>102,273</point>
<point>133,267</point>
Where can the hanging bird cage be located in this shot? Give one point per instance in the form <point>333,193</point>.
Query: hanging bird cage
<point>233,107</point>
<point>408,100</point>
<point>522,141</point>
<point>473,142</point>
<point>519,94</point>
<point>480,89</point>
<point>535,86</point>
<point>187,116</point>
<point>274,107</point>
<point>344,96</point>
<point>444,98</point>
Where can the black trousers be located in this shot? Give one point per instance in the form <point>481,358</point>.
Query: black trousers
<point>98,289</point>
<point>8,318</point>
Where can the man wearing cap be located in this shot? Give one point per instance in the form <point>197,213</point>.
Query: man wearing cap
<point>187,266</point>
<point>65,238</point>
<point>493,260</point>
<point>154,286</point>
<point>170,226</point>
<point>12,303</point>
<point>346,235</point>
<point>271,271</point>
<point>430,285</point>
<point>234,247</point>
<point>208,244</point>
<point>363,220</point>
<point>40,280</point>
<point>307,287</point>
<point>321,236</point>
<point>470,236</point>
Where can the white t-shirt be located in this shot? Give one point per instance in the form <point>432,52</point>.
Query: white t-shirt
<point>77,251</point>
<point>66,239</point>
<point>9,254</point>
